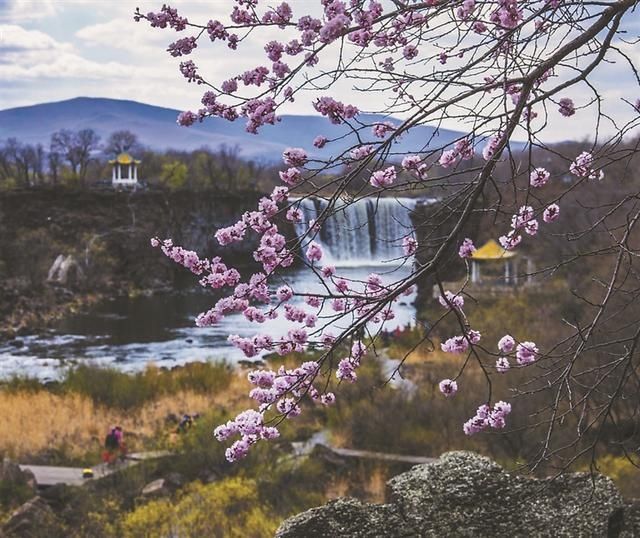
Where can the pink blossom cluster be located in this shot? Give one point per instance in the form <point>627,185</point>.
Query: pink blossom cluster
<point>489,150</point>
<point>487,417</point>
<point>381,129</point>
<point>336,111</point>
<point>525,353</point>
<point>448,387</point>
<point>467,248</point>
<point>451,300</point>
<point>190,72</point>
<point>414,163</point>
<point>214,273</point>
<point>460,344</point>
<point>347,367</point>
<point>409,245</point>
<point>539,177</point>
<point>167,16</point>
<point>566,107</point>
<point>361,152</point>
<point>383,178</point>
<point>182,47</point>
<point>463,149</point>
<point>507,15</point>
<point>582,167</point>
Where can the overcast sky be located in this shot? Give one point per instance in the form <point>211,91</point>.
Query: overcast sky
<point>52,50</point>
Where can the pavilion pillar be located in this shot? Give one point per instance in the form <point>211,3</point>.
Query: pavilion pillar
<point>113,173</point>
<point>135,172</point>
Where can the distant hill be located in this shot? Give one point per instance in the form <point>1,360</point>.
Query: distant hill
<point>156,128</point>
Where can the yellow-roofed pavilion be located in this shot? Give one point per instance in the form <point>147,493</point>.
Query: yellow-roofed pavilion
<point>494,262</point>
<point>125,170</point>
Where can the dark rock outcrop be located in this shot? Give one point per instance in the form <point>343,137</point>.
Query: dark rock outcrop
<point>11,474</point>
<point>32,519</point>
<point>464,494</point>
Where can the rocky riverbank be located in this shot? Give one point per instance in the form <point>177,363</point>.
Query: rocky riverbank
<point>63,250</point>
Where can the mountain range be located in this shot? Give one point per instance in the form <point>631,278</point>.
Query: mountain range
<point>156,128</point>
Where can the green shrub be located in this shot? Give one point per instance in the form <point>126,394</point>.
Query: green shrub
<point>112,388</point>
<point>227,509</point>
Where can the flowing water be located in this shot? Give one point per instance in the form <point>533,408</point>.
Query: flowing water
<point>128,333</point>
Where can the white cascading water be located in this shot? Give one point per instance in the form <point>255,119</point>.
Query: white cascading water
<point>366,232</point>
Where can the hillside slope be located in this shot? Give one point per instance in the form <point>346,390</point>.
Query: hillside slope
<point>156,128</point>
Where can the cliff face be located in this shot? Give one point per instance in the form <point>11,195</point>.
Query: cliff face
<point>101,238</point>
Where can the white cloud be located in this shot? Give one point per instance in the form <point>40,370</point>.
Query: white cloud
<point>27,10</point>
<point>31,55</point>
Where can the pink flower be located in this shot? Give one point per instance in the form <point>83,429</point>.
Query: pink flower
<point>567,108</point>
<point>284,293</point>
<point>448,158</point>
<point>581,166</point>
<point>294,157</point>
<point>383,178</point>
<point>319,141</point>
<point>506,344</point>
<point>410,52</point>
<point>502,365</point>
<point>409,245</point>
<point>328,399</point>
<point>279,194</point>
<point>314,252</point>
<point>414,163</point>
<point>380,130</point>
<point>457,344</point>
<point>294,214</point>
<point>328,271</point>
<point>551,213</point>
<point>360,152</point>
<point>489,151</point>
<point>292,176</point>
<point>526,353</point>
<point>539,177</point>
<point>448,387</point>
<point>510,241</point>
<point>467,248</point>
<point>450,300</point>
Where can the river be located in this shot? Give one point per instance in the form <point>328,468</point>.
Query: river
<point>129,333</point>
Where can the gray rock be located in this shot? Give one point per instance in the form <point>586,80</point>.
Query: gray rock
<point>347,517</point>
<point>154,489</point>
<point>467,495</point>
<point>10,473</point>
<point>31,519</point>
<point>174,481</point>
<point>630,525</point>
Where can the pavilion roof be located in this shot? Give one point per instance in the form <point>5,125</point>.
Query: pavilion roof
<point>124,158</point>
<point>492,251</point>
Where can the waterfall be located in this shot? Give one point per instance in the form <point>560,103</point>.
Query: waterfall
<point>368,231</point>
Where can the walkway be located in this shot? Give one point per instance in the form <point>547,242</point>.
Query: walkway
<point>49,475</point>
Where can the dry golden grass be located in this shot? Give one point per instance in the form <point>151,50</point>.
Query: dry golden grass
<point>376,485</point>
<point>34,422</point>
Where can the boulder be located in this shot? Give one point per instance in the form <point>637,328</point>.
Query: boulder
<point>348,517</point>
<point>154,489</point>
<point>31,519</point>
<point>10,473</point>
<point>174,481</point>
<point>467,495</point>
<point>630,527</point>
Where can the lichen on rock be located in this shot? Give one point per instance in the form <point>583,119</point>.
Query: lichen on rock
<point>465,494</point>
